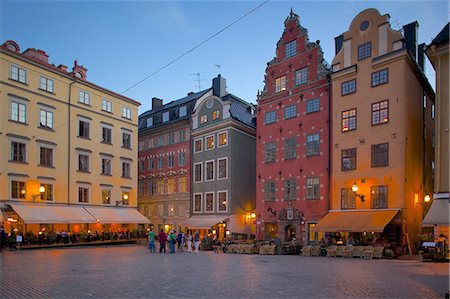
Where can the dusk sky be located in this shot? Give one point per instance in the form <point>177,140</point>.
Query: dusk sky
<point>123,42</point>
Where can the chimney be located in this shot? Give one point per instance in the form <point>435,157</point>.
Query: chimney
<point>156,103</point>
<point>62,67</point>
<point>36,54</point>
<point>421,56</point>
<point>190,93</point>
<point>410,36</point>
<point>219,86</point>
<point>338,41</point>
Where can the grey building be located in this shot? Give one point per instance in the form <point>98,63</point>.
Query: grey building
<point>223,129</point>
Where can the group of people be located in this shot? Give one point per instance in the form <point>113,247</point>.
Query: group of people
<point>180,240</point>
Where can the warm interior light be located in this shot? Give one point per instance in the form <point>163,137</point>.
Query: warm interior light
<point>11,219</point>
<point>253,215</point>
<point>427,198</point>
<point>42,189</point>
<point>213,231</point>
<point>355,187</point>
<point>22,191</point>
<point>227,232</point>
<point>125,196</point>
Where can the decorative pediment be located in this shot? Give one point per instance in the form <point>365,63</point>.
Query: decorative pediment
<point>292,214</point>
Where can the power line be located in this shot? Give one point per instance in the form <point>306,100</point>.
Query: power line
<point>194,48</point>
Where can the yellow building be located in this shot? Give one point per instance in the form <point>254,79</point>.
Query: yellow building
<point>438,53</point>
<point>69,148</point>
<point>382,132</point>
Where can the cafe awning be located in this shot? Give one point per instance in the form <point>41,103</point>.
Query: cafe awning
<point>438,213</point>
<point>203,222</point>
<point>117,215</point>
<point>355,221</point>
<point>40,213</point>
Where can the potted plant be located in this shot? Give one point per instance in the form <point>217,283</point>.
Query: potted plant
<point>389,254</point>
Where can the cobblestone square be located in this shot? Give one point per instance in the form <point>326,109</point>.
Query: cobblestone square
<point>132,272</point>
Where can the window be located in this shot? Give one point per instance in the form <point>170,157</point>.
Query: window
<point>222,168</point>
<point>197,202</point>
<point>83,129</point>
<point>48,193</point>
<point>106,196</point>
<point>269,151</point>
<point>348,159</point>
<point>210,142</point>
<point>347,199</point>
<point>126,169</point>
<point>380,155</point>
<point>160,163</point>
<point>270,117</point>
<point>290,148</point>
<point>170,160</point>
<point>209,171</point>
<point>149,122</point>
<point>165,117</point>
<point>216,115</point>
<point>151,187</point>
<point>313,145</point>
<point>348,87</point>
<point>380,77</point>
<point>18,151</point>
<point>84,97</point>
<point>46,84</point>
<point>159,141</point>
<point>106,166</point>
<point>269,191</point>
<point>126,140</point>
<point>18,111</point>
<point>106,105</point>
<point>312,188</point>
<point>46,119</point>
<point>198,144</point>
<point>171,185</point>
<point>141,165</point>
<point>348,120</point>
<point>222,201</point>
<point>379,197</point>
<point>125,198</point>
<point>209,202</point>
<point>280,84</point>
<point>171,138</point>
<point>182,184</point>
<point>432,111</point>
<point>182,111</point>
<point>291,48</point>
<point>290,111</point>
<point>83,194</point>
<point>151,164</point>
<point>222,139</point>
<point>364,51</point>
<point>126,112</point>
<point>18,189</point>
<point>171,208</point>
<point>290,190</point>
<point>380,113</point>
<point>182,136</point>
<point>106,135</point>
<point>45,156</point>
<point>203,119</point>
<point>182,158</point>
<point>83,163</point>
<point>198,172</point>
<point>160,186</point>
<point>18,74</point>
<point>301,76</point>
<point>312,105</point>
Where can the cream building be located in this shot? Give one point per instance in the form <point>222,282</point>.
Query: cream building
<point>382,132</point>
<point>69,148</point>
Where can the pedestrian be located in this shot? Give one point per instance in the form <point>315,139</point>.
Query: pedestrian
<point>183,240</point>
<point>162,241</point>
<point>196,241</point>
<point>151,240</point>
<point>172,241</point>
<point>189,239</point>
<point>179,237</point>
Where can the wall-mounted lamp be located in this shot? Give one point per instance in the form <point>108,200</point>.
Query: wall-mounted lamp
<point>427,198</point>
<point>250,218</point>
<point>214,231</point>
<point>228,233</point>
<point>355,189</point>
<point>41,192</point>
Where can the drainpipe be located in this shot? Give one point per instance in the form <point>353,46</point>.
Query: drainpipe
<point>330,131</point>
<point>68,142</point>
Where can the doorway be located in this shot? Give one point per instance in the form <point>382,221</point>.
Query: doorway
<point>290,233</point>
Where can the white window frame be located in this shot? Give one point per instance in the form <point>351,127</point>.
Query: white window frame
<point>20,180</point>
<point>106,188</point>
<point>47,111</point>
<point>206,143</point>
<point>126,112</point>
<point>218,168</point>
<point>218,202</point>
<point>52,184</point>
<point>18,73</point>
<point>106,105</point>
<point>19,102</point>
<point>46,87</point>
<point>84,97</point>
<point>105,126</point>
<point>218,138</point>
<point>85,186</point>
<point>213,170</point>
<point>122,163</point>
<point>86,121</point>
<point>201,174</point>
<point>48,146</point>
<point>17,139</point>
<point>213,200</point>
<point>201,203</point>
<point>103,157</point>
<point>84,153</point>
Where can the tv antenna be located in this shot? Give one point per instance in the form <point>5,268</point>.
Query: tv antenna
<point>198,80</point>
<point>217,66</point>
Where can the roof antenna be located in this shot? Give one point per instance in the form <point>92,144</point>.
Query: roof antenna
<point>198,80</point>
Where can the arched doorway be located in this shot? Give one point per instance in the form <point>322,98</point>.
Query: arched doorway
<point>290,232</point>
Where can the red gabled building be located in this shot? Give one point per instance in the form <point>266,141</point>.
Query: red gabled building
<point>293,139</point>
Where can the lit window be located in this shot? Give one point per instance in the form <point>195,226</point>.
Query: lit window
<point>349,120</point>
<point>222,201</point>
<point>347,199</point>
<point>291,48</point>
<point>364,51</point>
<point>182,183</point>
<point>216,114</point>
<point>210,142</point>
<point>222,139</point>
<point>280,84</point>
<point>301,76</point>
<point>84,97</point>
<point>270,117</point>
<point>48,193</point>
<point>380,77</point>
<point>380,113</point>
<point>203,119</point>
<point>125,198</point>
<point>106,196</point>
<point>379,197</point>
<point>171,185</point>
<point>18,189</point>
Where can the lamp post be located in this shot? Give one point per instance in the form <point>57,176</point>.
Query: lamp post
<point>355,189</point>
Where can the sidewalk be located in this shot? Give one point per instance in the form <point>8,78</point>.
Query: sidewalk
<point>93,243</point>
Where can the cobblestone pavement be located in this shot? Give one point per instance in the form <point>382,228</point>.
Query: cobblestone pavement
<point>130,271</point>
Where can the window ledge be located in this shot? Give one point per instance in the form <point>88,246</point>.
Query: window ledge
<point>18,162</point>
<point>18,122</point>
<point>17,81</point>
<point>46,91</point>
<point>46,129</point>
<point>46,166</point>
<point>83,171</point>
<point>86,138</point>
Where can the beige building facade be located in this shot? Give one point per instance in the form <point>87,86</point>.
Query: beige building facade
<point>69,148</point>
<point>382,131</point>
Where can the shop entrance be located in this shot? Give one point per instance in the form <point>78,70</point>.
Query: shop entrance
<point>290,233</point>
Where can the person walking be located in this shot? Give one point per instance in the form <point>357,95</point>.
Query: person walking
<point>189,239</point>
<point>162,241</point>
<point>183,240</point>
<point>151,241</point>
<point>196,241</point>
<point>179,237</point>
<point>172,241</point>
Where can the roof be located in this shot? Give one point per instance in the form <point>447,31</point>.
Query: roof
<point>442,37</point>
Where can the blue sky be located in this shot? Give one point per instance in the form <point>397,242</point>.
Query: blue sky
<point>122,42</point>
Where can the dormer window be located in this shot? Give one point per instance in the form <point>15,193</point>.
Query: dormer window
<point>203,119</point>
<point>165,117</point>
<point>182,111</point>
<point>149,122</point>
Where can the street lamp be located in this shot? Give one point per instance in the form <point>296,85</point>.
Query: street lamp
<point>41,192</point>
<point>427,198</point>
<point>355,189</point>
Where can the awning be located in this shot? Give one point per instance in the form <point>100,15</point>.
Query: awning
<point>438,213</point>
<point>355,221</point>
<point>35,213</point>
<point>117,215</point>
<point>203,222</point>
